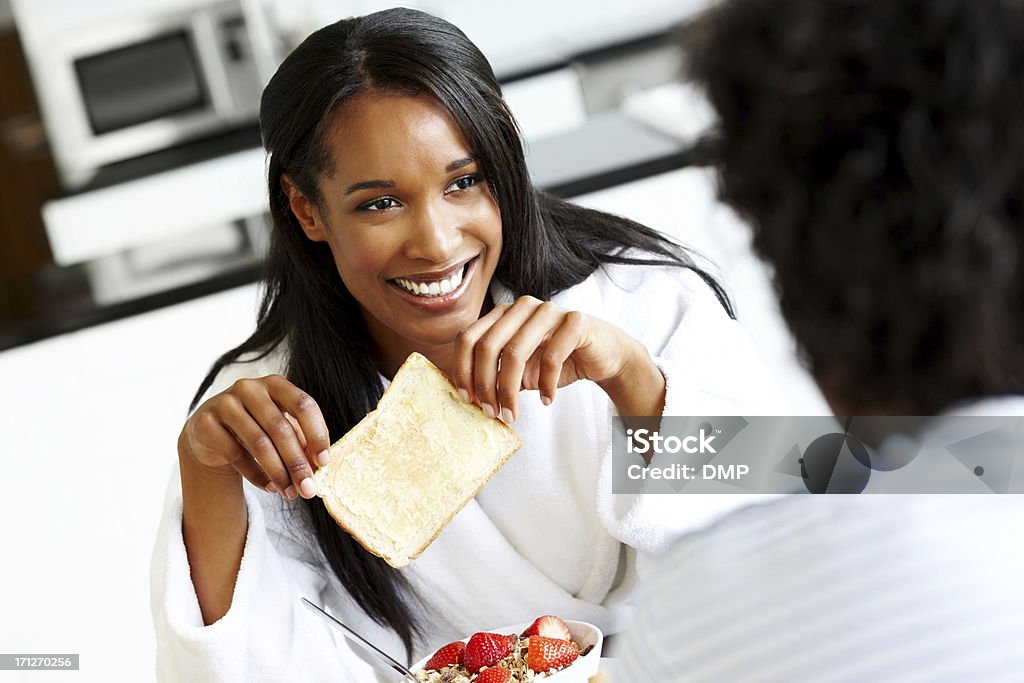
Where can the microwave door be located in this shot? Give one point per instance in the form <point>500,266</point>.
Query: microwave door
<point>148,81</point>
<point>137,86</point>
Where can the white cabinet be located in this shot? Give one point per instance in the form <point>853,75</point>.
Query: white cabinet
<point>90,421</point>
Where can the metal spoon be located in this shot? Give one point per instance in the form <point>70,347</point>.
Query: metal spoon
<point>367,645</point>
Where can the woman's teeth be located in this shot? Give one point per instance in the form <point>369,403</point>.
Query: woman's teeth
<point>431,289</point>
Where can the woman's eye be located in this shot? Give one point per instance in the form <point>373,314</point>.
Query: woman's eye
<point>463,183</point>
<point>381,204</point>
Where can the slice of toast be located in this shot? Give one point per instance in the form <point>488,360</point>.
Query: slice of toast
<point>401,474</point>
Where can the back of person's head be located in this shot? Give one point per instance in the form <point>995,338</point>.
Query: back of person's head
<point>877,150</point>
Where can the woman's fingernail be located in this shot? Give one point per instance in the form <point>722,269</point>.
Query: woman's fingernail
<point>308,487</point>
<point>545,399</point>
<point>464,395</point>
<point>290,492</point>
<point>506,416</point>
<point>488,410</point>
<point>271,488</point>
<point>322,458</point>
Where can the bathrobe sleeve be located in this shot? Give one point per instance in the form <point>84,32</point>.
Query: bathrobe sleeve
<point>267,634</point>
<point>711,368</point>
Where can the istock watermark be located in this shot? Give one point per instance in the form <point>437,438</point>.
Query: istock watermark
<point>644,441</point>
<point>839,455</point>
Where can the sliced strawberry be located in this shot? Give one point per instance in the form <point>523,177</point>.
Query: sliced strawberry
<point>487,649</point>
<point>450,654</point>
<point>544,654</point>
<point>495,674</point>
<point>549,627</point>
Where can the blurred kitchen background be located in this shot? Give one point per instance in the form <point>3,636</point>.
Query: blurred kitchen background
<point>132,220</point>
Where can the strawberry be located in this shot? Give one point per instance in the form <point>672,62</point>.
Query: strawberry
<point>495,674</point>
<point>450,654</point>
<point>544,654</point>
<point>549,627</point>
<point>487,649</point>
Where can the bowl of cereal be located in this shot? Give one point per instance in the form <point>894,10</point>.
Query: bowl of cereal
<point>549,649</point>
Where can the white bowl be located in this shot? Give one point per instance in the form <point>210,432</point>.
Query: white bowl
<point>583,634</point>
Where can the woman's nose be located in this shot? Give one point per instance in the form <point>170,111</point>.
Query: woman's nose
<point>436,235</point>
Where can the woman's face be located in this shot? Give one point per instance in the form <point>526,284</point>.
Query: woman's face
<point>414,231</point>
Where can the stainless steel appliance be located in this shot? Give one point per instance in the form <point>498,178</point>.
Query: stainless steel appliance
<point>137,85</point>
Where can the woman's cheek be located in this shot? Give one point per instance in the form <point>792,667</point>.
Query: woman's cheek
<point>367,254</point>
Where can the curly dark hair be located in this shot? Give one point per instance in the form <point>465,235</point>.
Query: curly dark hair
<point>877,150</point>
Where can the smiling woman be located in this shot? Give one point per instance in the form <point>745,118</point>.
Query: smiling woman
<point>405,220</point>
<point>413,229</point>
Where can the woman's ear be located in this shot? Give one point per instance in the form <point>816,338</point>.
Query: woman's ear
<point>304,211</point>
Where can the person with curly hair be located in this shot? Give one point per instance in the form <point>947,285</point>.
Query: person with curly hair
<point>877,151</point>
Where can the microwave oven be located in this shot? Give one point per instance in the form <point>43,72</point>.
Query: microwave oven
<point>138,85</point>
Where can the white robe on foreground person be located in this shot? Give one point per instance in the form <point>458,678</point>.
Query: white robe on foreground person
<point>544,536</point>
<point>885,588</point>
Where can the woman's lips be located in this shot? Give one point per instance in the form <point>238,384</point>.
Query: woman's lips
<point>442,300</point>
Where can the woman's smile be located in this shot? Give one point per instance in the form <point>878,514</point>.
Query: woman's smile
<point>439,291</point>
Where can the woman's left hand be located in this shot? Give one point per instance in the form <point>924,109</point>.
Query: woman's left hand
<point>534,344</point>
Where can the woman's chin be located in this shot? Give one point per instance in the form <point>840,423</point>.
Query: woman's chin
<point>436,338</point>
<point>439,328</point>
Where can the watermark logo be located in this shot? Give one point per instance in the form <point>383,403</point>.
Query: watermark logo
<point>818,454</point>
<point>646,442</point>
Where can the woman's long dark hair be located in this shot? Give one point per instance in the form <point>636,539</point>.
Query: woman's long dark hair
<point>548,244</point>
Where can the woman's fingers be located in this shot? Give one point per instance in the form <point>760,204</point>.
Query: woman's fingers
<point>464,357</point>
<point>284,446</point>
<point>302,409</point>
<point>492,351</point>
<point>493,334</point>
<point>219,440</point>
<point>251,414</point>
<point>525,343</point>
<point>298,431</point>
<point>506,351</point>
<point>550,361</point>
<point>248,468</point>
<point>234,415</point>
<point>267,429</point>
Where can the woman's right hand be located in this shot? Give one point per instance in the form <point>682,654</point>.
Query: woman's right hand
<point>267,430</point>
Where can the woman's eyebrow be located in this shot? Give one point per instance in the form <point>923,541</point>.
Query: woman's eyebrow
<point>389,184</point>
<point>461,163</point>
<point>369,185</point>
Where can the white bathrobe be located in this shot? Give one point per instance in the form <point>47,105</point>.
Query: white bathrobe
<point>544,536</point>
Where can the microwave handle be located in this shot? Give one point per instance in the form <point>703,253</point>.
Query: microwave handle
<point>264,35</point>
<point>211,59</point>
